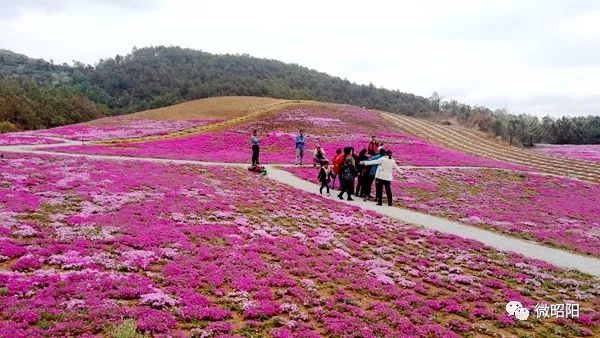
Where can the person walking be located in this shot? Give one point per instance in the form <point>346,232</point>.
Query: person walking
<point>383,176</point>
<point>362,172</point>
<point>347,174</point>
<point>370,176</point>
<point>255,147</point>
<point>373,146</point>
<point>300,141</point>
<point>324,177</point>
<point>336,164</point>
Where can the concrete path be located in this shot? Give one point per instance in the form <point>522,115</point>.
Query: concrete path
<point>558,257</point>
<point>531,249</point>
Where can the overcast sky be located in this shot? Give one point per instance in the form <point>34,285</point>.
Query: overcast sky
<point>528,56</point>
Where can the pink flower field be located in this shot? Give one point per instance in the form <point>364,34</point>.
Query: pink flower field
<point>588,152</point>
<point>13,139</point>
<point>557,211</point>
<point>331,127</point>
<point>120,127</point>
<point>94,247</point>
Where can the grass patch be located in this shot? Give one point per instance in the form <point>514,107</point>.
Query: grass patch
<point>127,329</point>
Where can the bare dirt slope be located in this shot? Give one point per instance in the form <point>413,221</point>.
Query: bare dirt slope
<point>224,107</point>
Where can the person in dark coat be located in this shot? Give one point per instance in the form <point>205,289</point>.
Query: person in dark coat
<point>254,141</point>
<point>370,176</point>
<point>347,174</point>
<point>362,172</point>
<point>324,177</point>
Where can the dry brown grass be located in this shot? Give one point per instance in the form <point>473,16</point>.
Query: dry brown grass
<point>230,110</point>
<point>225,107</point>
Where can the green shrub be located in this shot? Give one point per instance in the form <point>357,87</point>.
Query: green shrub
<point>127,329</point>
<point>6,127</point>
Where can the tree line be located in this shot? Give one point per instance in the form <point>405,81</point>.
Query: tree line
<point>41,94</point>
<point>522,129</point>
<point>27,105</point>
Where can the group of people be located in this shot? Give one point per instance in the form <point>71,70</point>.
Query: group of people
<point>300,142</point>
<point>372,164</point>
<point>356,173</point>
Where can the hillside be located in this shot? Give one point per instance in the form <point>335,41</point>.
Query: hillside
<point>151,224</point>
<point>14,65</point>
<point>221,107</point>
<point>480,144</point>
<point>205,117</point>
<point>161,76</point>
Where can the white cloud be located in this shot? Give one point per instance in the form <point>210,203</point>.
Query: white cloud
<point>585,26</point>
<point>530,56</point>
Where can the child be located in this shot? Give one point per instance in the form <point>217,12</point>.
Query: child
<point>324,177</point>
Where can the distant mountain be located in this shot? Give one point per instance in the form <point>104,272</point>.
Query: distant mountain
<point>14,65</point>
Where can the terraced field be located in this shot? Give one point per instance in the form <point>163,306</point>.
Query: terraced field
<point>477,143</point>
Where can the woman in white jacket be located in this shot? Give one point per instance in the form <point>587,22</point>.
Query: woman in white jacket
<point>383,176</point>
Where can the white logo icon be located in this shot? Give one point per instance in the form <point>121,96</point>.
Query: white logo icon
<point>512,306</point>
<point>522,313</point>
<point>515,308</point>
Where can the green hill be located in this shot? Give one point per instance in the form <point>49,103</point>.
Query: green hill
<point>160,76</point>
<point>35,93</point>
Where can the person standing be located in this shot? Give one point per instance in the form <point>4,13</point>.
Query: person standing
<point>324,177</point>
<point>347,174</point>
<point>355,158</point>
<point>373,146</point>
<point>384,176</point>
<point>255,147</point>
<point>336,166</point>
<point>370,176</point>
<point>362,172</point>
<point>300,141</point>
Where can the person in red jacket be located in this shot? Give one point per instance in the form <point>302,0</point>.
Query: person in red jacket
<point>373,147</point>
<point>336,163</point>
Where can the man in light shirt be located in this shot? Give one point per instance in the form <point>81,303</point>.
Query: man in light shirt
<point>300,141</point>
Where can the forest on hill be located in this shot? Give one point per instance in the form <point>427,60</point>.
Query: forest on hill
<point>36,94</point>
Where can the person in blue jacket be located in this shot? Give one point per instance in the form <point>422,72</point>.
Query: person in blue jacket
<point>368,181</point>
<point>300,141</point>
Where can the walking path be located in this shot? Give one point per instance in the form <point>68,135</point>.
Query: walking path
<point>531,249</point>
<point>558,257</point>
<point>69,142</point>
<point>34,149</point>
